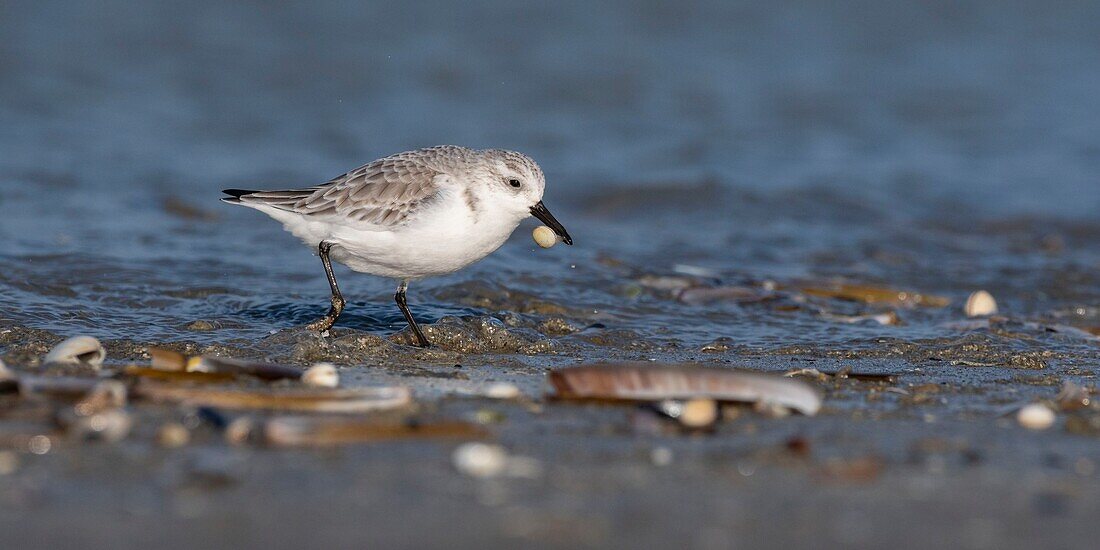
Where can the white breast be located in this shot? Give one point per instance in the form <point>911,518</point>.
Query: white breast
<point>444,238</point>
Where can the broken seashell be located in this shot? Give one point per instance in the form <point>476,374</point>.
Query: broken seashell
<point>874,295</point>
<point>348,400</point>
<point>980,304</point>
<point>321,375</point>
<point>295,431</point>
<point>78,350</point>
<point>1036,416</point>
<point>104,396</point>
<point>647,382</point>
<point>225,365</point>
<point>110,426</point>
<point>100,414</point>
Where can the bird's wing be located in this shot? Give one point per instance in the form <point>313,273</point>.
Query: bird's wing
<point>381,193</point>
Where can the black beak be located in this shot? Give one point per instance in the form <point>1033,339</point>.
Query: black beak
<point>539,211</point>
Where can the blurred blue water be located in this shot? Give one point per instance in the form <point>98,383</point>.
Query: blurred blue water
<point>765,139</point>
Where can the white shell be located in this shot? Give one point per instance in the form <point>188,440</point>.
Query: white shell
<point>78,350</point>
<point>980,304</point>
<point>5,374</point>
<point>502,390</point>
<point>321,375</point>
<point>544,236</point>
<point>480,460</point>
<point>1036,416</point>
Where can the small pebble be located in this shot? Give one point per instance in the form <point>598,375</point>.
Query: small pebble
<point>980,304</point>
<point>544,236</point>
<point>480,460</point>
<point>1036,416</point>
<point>173,435</point>
<point>321,375</point>
<point>699,413</point>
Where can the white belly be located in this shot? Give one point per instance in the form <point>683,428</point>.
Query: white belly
<point>444,239</point>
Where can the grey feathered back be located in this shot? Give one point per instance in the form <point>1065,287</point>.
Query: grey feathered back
<point>382,192</point>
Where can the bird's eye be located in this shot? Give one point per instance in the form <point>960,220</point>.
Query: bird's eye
<point>513,183</point>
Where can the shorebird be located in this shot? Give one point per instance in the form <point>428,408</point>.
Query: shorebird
<point>410,215</point>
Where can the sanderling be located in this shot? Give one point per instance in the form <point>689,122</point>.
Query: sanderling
<point>411,215</point>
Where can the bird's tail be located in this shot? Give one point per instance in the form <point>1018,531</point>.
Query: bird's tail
<point>235,195</point>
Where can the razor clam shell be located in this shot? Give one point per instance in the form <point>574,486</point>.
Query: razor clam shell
<point>78,350</point>
<point>648,382</point>
<point>348,400</point>
<point>295,431</point>
<point>263,371</point>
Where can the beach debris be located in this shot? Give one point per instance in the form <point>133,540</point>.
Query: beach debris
<point>693,413</point>
<point>659,382</point>
<point>104,396</point>
<point>173,435</point>
<point>321,375</point>
<point>240,430</point>
<point>237,367</point>
<point>100,415</point>
<point>314,431</point>
<point>843,373</point>
<point>544,236</point>
<point>980,304</point>
<point>78,350</point>
<point>347,400</point>
<point>167,360</point>
<point>889,318</point>
<point>1036,416</point>
<point>484,461</point>
<point>1072,397</point>
<point>503,390</point>
<point>177,376</point>
<point>871,294</point>
<point>227,368</point>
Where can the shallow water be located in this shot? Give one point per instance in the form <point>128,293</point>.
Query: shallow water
<point>940,148</point>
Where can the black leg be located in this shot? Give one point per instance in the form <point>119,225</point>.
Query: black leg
<point>400,299</point>
<point>326,322</point>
